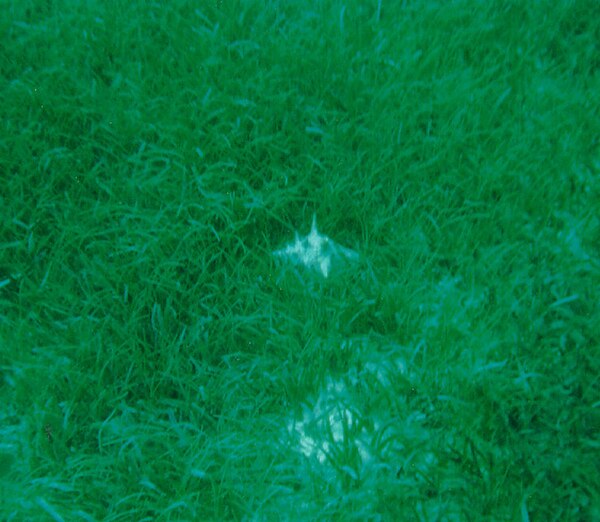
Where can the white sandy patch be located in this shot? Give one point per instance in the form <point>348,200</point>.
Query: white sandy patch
<point>328,423</point>
<point>315,251</point>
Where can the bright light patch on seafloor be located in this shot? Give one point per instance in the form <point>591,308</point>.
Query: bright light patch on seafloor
<point>315,251</point>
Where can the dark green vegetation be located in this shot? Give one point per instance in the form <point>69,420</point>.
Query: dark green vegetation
<point>154,356</point>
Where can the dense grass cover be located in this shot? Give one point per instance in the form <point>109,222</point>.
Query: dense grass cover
<point>159,363</point>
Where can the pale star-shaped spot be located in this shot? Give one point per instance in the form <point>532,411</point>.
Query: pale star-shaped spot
<point>330,422</point>
<point>315,251</point>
